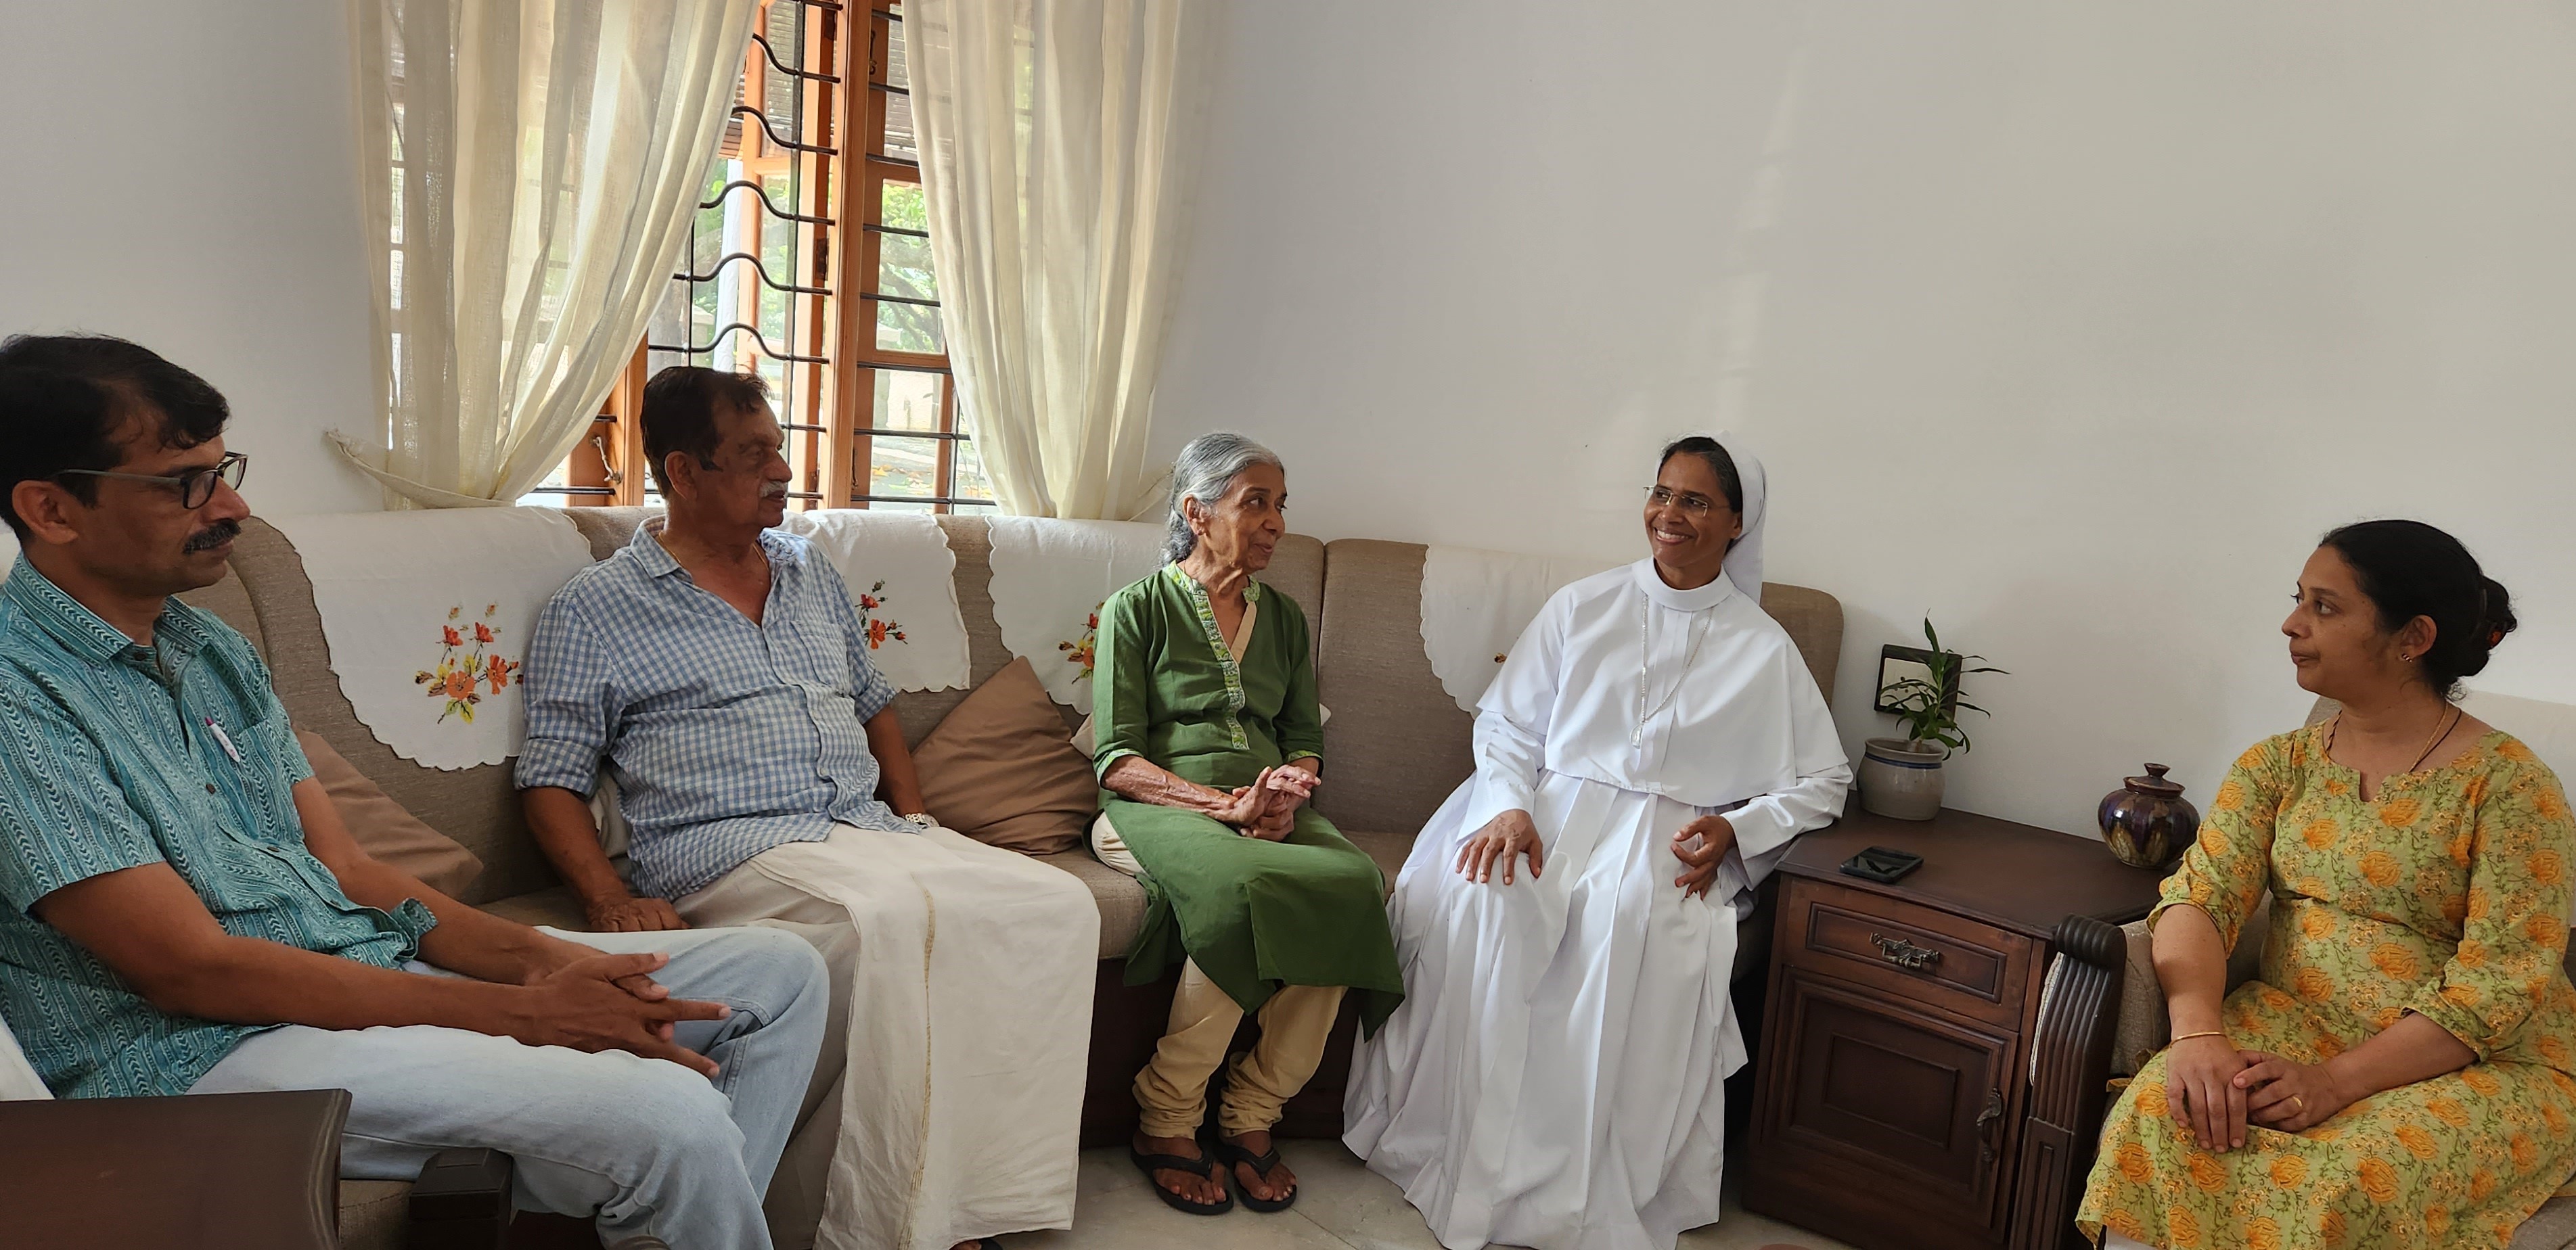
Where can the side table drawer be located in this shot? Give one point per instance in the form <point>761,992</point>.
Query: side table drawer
<point>1907,950</point>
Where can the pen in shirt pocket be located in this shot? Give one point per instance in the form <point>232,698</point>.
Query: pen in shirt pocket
<point>223,739</point>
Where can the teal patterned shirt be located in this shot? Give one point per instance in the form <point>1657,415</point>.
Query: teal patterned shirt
<point>112,756</point>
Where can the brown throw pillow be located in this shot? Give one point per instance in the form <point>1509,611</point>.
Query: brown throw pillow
<point>383,829</point>
<point>1002,769</point>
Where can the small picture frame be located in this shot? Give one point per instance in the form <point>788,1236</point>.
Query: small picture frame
<point>1895,664</point>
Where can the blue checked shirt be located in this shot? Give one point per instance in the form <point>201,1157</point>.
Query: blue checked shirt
<point>725,738</point>
<point>113,756</point>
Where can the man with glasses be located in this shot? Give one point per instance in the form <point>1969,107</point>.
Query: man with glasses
<point>182,910</point>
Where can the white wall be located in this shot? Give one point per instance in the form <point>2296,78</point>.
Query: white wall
<point>183,174</point>
<point>2073,326</point>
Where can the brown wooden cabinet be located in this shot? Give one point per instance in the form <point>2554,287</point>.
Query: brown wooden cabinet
<point>1893,1086</point>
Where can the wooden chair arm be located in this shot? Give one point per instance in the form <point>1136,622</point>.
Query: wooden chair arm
<point>2071,1064</point>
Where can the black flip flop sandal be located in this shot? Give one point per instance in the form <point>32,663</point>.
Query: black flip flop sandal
<point>1201,1166</point>
<point>1233,1154</point>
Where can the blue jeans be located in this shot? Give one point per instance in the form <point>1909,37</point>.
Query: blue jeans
<point>644,1146</point>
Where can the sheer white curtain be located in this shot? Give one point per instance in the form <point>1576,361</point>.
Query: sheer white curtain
<point>530,169</point>
<point>1052,144</point>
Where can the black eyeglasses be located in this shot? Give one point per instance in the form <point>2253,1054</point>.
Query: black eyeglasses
<point>195,486</point>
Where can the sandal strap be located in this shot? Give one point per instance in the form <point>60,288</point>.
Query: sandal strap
<point>1262,1163</point>
<point>1201,1166</point>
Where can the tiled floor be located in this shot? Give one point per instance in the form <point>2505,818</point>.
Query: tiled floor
<point>1344,1207</point>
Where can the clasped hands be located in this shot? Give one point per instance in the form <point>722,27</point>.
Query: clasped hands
<point>1701,845</point>
<point>1267,809</point>
<point>2214,1090</point>
<point>593,1000</point>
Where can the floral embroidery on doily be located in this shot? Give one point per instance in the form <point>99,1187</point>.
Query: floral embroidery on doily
<point>1079,652</point>
<point>878,630</point>
<point>466,668</point>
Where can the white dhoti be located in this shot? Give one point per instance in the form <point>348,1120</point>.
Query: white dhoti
<point>961,986</point>
<point>1555,1076</point>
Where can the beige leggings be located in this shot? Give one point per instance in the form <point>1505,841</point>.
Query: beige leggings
<point>1172,1090</point>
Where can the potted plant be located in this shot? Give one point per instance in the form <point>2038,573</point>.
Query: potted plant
<point>1902,777</point>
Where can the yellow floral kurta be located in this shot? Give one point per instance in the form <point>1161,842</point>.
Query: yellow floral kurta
<point>2446,895</point>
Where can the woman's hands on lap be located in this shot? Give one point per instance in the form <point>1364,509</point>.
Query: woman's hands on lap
<point>1503,839</point>
<point>1244,805</point>
<point>2290,1096</point>
<point>1716,837</point>
<point>1279,792</point>
<point>2204,1091</point>
<point>1266,809</point>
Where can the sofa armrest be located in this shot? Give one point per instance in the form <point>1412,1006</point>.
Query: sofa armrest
<point>236,1169</point>
<point>2070,1064</point>
<point>2143,1025</point>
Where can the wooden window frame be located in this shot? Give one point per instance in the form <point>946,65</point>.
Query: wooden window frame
<point>832,423</point>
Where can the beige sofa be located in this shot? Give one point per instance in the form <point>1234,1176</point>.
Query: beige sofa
<point>1395,746</point>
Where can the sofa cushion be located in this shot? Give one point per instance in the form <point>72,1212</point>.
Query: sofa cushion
<point>1387,849</point>
<point>1002,770</point>
<point>1406,739</point>
<point>386,832</point>
<point>555,906</point>
<point>1814,620</point>
<point>2552,1227</point>
<point>478,807</point>
<point>1122,901</point>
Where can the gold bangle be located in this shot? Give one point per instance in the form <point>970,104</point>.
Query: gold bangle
<point>2203,1033</point>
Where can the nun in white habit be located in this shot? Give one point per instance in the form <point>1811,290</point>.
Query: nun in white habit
<point>1567,921</point>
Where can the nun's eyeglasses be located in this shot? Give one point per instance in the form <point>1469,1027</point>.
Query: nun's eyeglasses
<point>195,486</point>
<point>1694,506</point>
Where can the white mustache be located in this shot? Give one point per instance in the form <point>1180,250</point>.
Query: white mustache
<point>774,491</point>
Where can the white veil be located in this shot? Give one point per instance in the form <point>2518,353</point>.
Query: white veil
<point>1744,561</point>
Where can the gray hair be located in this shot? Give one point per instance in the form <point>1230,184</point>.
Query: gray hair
<point>1205,471</point>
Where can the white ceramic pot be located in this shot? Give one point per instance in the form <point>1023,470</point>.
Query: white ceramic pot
<point>1899,781</point>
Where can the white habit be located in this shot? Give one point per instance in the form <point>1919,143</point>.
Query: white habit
<point>1553,1078</point>
<point>961,987</point>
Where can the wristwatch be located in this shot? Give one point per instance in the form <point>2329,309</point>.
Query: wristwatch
<point>923,819</point>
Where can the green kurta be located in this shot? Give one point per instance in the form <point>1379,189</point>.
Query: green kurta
<point>1255,914</point>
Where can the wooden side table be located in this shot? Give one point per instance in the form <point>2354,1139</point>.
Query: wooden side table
<point>1894,1077</point>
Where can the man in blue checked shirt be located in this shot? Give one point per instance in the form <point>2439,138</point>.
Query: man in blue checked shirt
<point>716,669</point>
<point>186,913</point>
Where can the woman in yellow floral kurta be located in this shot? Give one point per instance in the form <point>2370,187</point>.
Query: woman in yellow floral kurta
<point>2440,891</point>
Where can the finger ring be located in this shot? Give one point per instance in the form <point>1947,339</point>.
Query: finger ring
<point>2298,1105</point>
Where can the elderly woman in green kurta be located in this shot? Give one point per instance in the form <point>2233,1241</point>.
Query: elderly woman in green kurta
<point>1209,744</point>
<point>2403,1071</point>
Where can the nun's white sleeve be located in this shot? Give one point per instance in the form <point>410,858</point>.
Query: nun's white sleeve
<point>1512,720</point>
<point>1766,826</point>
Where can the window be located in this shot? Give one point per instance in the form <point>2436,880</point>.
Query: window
<point>810,262</point>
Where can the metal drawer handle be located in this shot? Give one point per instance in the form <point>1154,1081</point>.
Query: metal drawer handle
<point>1905,954</point>
<point>1992,1115</point>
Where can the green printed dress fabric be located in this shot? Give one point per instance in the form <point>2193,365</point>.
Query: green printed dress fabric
<point>1255,914</point>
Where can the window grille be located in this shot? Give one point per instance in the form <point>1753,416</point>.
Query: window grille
<point>809,262</point>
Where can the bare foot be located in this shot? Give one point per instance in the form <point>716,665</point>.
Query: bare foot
<point>1197,1187</point>
<point>1277,1184</point>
